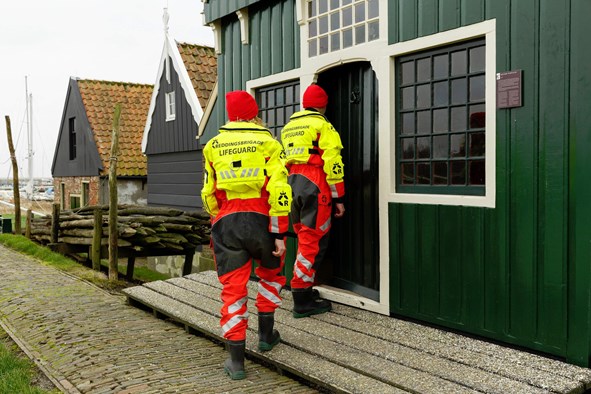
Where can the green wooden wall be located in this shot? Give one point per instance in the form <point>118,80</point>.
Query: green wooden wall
<point>520,272</point>
<point>272,24</point>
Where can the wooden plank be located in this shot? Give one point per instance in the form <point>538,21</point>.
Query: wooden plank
<point>407,21</point>
<point>278,45</point>
<point>579,275</point>
<point>429,261</point>
<point>450,268</point>
<point>428,15</point>
<point>449,14</point>
<point>524,184</point>
<point>265,42</point>
<point>553,162</point>
<point>314,369</point>
<point>255,45</point>
<point>409,248</point>
<point>471,11</point>
<point>288,26</point>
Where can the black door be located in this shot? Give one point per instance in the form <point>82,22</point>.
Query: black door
<point>352,262</point>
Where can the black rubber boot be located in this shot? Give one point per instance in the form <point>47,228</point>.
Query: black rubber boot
<point>268,337</point>
<point>304,303</point>
<point>234,366</point>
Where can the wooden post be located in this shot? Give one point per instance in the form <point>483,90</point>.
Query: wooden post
<point>17,196</point>
<point>96,239</point>
<point>188,265</point>
<point>55,223</point>
<point>130,267</point>
<point>28,223</point>
<point>113,252</point>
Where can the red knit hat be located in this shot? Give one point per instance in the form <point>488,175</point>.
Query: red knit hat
<point>315,97</point>
<point>240,106</point>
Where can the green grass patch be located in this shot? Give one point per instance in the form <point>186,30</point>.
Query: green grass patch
<point>15,373</point>
<point>48,257</point>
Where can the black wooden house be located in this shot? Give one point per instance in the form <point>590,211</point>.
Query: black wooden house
<point>186,78</point>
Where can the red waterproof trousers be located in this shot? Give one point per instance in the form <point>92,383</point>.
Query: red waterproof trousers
<point>310,215</point>
<point>238,238</point>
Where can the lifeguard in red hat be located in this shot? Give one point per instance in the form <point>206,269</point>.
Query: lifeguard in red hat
<point>246,193</point>
<point>313,151</point>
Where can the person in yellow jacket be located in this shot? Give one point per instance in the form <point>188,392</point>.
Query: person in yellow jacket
<point>246,193</point>
<point>313,151</point>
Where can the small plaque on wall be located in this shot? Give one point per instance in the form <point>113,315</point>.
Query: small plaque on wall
<point>509,89</point>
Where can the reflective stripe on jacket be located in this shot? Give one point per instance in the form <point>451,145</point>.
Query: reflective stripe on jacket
<point>244,162</point>
<point>309,138</point>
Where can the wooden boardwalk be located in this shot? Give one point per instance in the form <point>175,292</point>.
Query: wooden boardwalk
<point>355,351</point>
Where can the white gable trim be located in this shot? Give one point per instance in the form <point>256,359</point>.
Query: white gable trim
<point>171,50</point>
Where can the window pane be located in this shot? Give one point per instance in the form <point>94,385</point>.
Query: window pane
<point>360,34</point>
<point>458,63</point>
<point>458,145</point>
<point>477,116</point>
<point>279,97</point>
<point>423,96</point>
<point>373,9</point>
<point>280,117</point>
<point>459,91</point>
<point>335,41</point>
<point>408,123</point>
<point>458,119</point>
<point>458,172</point>
<point>423,70</point>
<point>424,122</point>
<point>312,48</point>
<point>424,148</point>
<point>476,144</point>
<point>359,12</point>
<point>323,43</point>
<point>408,98</point>
<point>312,28</point>
<point>335,21</point>
<point>477,57</point>
<point>440,67</point>
<point>440,120</point>
<point>424,173</point>
<point>289,99</point>
<point>345,2</point>
<point>477,172</point>
<point>334,4</point>
<point>323,25</point>
<point>322,6</point>
<point>263,100</point>
<point>408,173</point>
<point>440,147</point>
<point>271,98</point>
<point>373,31</point>
<point>312,8</point>
<point>477,88</point>
<point>440,94</point>
<point>408,72</point>
<point>440,173</point>
<point>347,16</point>
<point>347,38</point>
<point>271,117</point>
<point>408,148</point>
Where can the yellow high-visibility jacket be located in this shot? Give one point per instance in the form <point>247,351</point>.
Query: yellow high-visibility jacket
<point>245,162</point>
<point>309,138</point>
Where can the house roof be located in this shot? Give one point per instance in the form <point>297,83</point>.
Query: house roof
<point>196,67</point>
<point>100,99</point>
<point>201,64</point>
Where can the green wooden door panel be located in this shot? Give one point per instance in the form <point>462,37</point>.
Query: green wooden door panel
<point>471,11</point>
<point>407,20</point>
<point>427,17</point>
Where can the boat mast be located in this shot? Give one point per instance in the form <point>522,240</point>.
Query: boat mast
<point>29,116</point>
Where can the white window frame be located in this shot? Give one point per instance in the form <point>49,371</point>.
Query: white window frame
<point>83,202</point>
<point>170,106</point>
<point>75,195</point>
<point>486,30</point>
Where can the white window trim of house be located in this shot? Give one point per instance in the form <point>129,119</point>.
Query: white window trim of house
<point>82,200</point>
<point>486,29</point>
<point>170,106</point>
<point>75,195</point>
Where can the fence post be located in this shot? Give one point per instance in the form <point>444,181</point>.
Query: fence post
<point>96,239</point>
<point>55,223</point>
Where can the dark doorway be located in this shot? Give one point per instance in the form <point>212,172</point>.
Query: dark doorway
<point>353,259</point>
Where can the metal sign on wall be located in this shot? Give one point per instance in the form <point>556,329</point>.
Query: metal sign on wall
<point>509,89</point>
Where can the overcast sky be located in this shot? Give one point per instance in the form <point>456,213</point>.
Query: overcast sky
<point>50,41</point>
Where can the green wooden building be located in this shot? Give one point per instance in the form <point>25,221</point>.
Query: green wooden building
<point>467,132</point>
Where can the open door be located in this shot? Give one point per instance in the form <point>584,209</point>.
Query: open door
<point>352,261</point>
